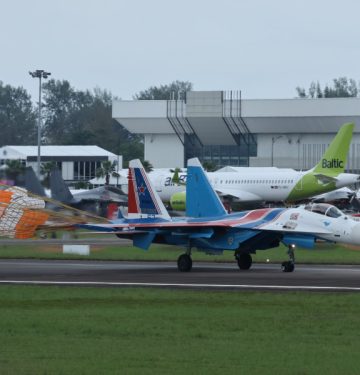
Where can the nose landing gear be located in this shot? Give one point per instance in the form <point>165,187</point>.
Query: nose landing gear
<point>289,266</point>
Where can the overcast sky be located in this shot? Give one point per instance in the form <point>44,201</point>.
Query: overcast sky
<point>263,48</point>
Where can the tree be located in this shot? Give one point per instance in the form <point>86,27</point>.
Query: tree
<point>66,114</point>
<point>106,170</point>
<point>341,88</point>
<point>209,166</point>
<point>15,168</point>
<point>45,170</point>
<point>147,166</point>
<point>17,116</point>
<point>174,90</point>
<point>84,117</point>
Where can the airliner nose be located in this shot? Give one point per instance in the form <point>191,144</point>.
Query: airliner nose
<point>355,235</point>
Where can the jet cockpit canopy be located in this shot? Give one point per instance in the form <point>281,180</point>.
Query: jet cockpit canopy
<point>324,209</point>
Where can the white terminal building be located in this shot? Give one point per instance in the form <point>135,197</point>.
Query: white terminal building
<point>77,163</point>
<point>221,127</point>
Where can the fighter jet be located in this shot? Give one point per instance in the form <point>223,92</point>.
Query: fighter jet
<point>92,200</point>
<point>209,228</point>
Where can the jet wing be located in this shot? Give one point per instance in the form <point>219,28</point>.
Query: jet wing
<point>238,194</point>
<point>262,219</point>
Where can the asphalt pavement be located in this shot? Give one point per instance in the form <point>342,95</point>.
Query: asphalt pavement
<point>165,274</point>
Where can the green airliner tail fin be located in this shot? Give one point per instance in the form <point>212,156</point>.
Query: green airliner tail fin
<point>333,161</point>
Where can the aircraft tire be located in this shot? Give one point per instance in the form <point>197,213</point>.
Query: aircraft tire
<point>184,263</point>
<point>287,266</point>
<point>244,261</point>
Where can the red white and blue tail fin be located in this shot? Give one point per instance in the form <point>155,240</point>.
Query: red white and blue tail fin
<point>143,200</point>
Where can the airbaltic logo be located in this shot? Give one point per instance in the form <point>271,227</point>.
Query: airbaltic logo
<point>333,163</point>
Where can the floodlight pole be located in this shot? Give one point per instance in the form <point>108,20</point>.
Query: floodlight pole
<point>39,74</point>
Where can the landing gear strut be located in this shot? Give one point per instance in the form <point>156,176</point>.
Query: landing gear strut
<point>289,266</point>
<point>184,262</point>
<point>244,260</point>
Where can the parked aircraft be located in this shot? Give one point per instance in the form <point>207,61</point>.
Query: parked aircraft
<point>209,228</point>
<point>343,198</point>
<point>92,200</point>
<point>270,184</point>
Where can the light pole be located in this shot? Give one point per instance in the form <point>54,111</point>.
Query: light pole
<point>273,140</point>
<point>39,74</point>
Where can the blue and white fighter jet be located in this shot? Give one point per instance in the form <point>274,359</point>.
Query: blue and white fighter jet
<point>209,228</point>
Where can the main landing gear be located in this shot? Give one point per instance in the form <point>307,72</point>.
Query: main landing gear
<point>244,260</point>
<point>184,262</point>
<point>289,266</point>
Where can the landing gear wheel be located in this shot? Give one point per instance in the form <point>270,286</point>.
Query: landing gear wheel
<point>184,263</point>
<point>244,260</point>
<point>288,266</point>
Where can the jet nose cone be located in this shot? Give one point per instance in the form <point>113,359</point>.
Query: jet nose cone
<point>355,235</point>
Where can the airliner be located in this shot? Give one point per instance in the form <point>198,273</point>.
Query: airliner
<point>270,184</point>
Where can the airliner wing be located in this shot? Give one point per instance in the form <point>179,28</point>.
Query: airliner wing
<point>239,194</point>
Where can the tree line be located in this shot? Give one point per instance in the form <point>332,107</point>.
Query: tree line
<point>341,87</point>
<point>73,117</point>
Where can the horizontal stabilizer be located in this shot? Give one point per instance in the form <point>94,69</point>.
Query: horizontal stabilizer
<point>324,179</point>
<point>238,194</point>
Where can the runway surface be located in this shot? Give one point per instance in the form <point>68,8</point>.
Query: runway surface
<point>165,274</point>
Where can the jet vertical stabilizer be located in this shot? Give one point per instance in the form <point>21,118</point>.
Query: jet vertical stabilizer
<point>32,183</point>
<point>143,201</point>
<point>201,199</point>
<point>333,162</point>
<point>59,190</point>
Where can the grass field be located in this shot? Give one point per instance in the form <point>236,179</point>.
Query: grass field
<point>50,330</point>
<point>322,253</point>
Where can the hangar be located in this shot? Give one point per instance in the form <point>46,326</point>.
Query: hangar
<point>77,163</point>
<point>222,127</point>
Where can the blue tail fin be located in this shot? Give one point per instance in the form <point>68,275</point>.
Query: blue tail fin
<point>143,200</point>
<point>201,199</point>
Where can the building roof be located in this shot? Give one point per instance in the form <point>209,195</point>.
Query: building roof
<point>216,118</point>
<point>58,151</point>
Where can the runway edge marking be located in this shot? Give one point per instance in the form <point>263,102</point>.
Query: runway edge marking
<point>179,285</point>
